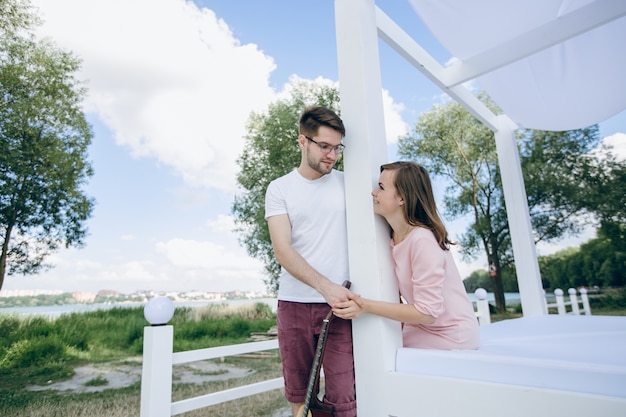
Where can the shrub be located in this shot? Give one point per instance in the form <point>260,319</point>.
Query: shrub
<point>9,326</point>
<point>610,300</point>
<point>35,352</point>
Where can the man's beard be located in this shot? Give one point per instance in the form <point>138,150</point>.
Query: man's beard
<point>318,167</point>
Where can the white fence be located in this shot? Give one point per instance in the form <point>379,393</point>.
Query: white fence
<point>573,306</point>
<point>159,359</point>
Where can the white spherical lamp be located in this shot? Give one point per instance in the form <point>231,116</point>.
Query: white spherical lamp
<point>159,311</point>
<point>481,293</point>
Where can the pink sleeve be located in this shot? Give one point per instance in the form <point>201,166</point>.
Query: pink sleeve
<point>427,265</point>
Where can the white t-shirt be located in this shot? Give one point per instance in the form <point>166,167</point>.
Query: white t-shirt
<point>317,212</point>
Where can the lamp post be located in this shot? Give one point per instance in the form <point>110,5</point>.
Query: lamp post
<point>158,345</point>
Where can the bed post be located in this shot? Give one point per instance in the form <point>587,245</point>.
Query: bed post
<point>526,264</point>
<point>375,339</point>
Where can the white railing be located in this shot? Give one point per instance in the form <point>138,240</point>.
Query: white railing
<point>159,359</point>
<point>574,303</point>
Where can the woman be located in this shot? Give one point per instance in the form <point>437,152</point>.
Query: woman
<point>437,313</point>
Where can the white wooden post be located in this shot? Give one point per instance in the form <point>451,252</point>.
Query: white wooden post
<point>574,301</point>
<point>545,302</point>
<point>158,347</point>
<point>376,340</point>
<point>156,374</point>
<point>585,298</point>
<point>522,239</point>
<point>560,302</point>
<point>482,307</point>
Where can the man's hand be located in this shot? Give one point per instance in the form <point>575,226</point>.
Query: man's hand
<point>335,293</point>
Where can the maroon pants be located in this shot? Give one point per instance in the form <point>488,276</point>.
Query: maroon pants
<point>299,326</point>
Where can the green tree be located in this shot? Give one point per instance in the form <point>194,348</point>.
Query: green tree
<point>564,177</point>
<point>478,279</point>
<point>598,262</point>
<point>271,151</point>
<point>451,143</point>
<point>44,138</point>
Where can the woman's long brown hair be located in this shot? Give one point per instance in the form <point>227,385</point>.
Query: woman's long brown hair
<point>413,185</point>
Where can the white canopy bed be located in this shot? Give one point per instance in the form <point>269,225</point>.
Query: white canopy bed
<point>548,64</point>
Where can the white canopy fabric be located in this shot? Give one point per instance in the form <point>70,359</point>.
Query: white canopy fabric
<point>549,64</point>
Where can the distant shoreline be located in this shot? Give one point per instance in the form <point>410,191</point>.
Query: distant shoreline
<point>54,311</point>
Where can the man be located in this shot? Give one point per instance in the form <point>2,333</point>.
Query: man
<point>305,212</point>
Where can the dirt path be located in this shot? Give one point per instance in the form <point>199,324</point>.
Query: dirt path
<point>113,375</point>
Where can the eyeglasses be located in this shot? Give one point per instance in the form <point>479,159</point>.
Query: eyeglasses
<point>326,148</point>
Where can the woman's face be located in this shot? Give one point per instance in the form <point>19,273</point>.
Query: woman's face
<point>386,200</point>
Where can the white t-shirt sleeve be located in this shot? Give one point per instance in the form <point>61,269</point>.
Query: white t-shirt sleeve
<point>275,203</point>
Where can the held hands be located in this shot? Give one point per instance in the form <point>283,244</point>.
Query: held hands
<point>335,293</point>
<point>349,309</point>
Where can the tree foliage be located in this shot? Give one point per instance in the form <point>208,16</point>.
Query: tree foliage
<point>563,180</point>
<point>480,279</point>
<point>598,262</point>
<point>271,151</point>
<point>44,138</point>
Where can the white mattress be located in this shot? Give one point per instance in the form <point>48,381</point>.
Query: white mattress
<point>584,354</point>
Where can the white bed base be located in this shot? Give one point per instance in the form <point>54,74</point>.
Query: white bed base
<point>411,395</point>
<point>529,367</point>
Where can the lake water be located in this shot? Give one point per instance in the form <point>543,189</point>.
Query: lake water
<point>57,310</point>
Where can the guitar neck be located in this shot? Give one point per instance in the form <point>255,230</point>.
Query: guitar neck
<point>315,369</point>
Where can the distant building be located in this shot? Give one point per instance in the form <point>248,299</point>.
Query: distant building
<point>108,293</point>
<point>84,297</point>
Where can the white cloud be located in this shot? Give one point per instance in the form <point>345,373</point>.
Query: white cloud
<point>223,224</point>
<point>394,125</point>
<point>178,87</point>
<point>193,254</point>
<point>618,142</point>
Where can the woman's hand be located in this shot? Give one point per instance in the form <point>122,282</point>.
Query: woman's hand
<point>349,309</point>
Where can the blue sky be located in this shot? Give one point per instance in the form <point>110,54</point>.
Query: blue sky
<point>171,84</point>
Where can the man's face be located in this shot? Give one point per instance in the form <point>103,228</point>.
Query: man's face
<point>318,159</point>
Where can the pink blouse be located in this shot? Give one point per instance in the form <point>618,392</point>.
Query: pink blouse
<point>429,279</point>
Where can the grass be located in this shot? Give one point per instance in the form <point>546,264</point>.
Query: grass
<point>98,381</point>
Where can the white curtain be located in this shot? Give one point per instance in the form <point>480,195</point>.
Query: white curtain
<point>577,83</point>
